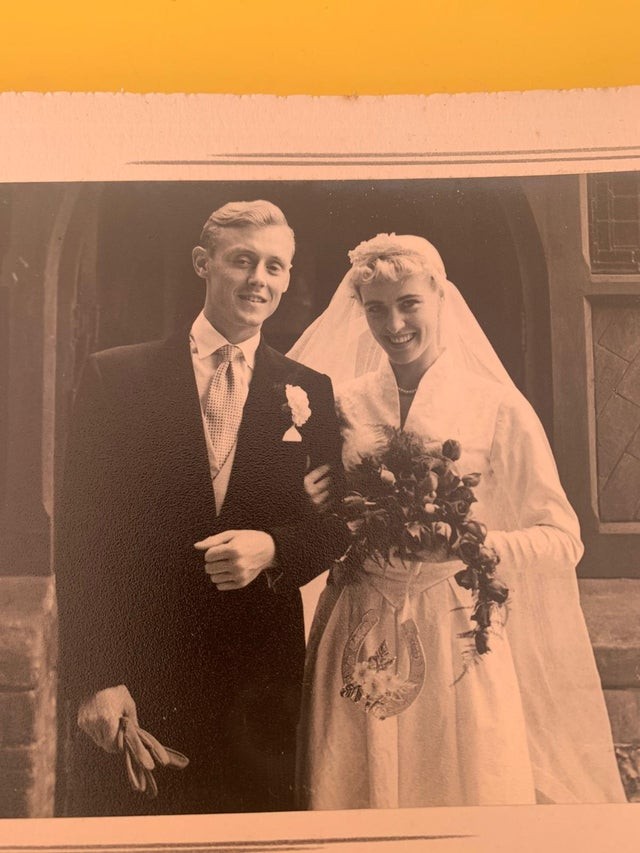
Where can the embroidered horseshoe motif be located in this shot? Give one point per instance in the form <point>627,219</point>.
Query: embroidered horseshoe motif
<point>354,643</point>
<point>393,705</point>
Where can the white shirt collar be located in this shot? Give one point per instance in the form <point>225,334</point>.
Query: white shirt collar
<point>208,339</point>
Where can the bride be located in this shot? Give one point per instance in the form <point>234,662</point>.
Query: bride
<point>527,723</point>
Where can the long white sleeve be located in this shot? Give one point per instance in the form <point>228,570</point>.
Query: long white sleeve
<point>547,528</point>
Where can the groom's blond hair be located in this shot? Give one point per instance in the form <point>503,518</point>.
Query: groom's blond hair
<point>241,214</point>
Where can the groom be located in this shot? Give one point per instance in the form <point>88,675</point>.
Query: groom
<point>185,537</point>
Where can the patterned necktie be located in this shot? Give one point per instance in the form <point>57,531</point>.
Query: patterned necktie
<point>225,402</point>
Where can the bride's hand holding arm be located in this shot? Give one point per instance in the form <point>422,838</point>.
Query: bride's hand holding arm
<point>318,487</point>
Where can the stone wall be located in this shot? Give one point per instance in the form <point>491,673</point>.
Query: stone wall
<point>612,612</point>
<point>28,646</point>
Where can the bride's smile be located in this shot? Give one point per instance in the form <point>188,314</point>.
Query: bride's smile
<point>400,340</point>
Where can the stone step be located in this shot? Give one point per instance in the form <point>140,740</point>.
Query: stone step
<point>612,613</point>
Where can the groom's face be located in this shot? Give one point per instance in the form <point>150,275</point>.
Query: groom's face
<point>246,275</point>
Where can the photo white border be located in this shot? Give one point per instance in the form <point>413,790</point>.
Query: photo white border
<point>117,137</point>
<point>81,137</point>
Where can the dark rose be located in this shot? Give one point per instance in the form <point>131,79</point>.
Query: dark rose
<point>468,549</point>
<point>451,449</point>
<point>482,614</point>
<point>459,510</point>
<point>462,493</point>
<point>488,557</point>
<point>482,642</point>
<point>475,529</point>
<point>466,578</point>
<point>496,591</point>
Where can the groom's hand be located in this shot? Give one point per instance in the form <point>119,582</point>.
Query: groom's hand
<point>235,558</point>
<point>99,717</point>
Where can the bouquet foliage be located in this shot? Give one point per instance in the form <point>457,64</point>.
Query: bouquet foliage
<point>409,501</point>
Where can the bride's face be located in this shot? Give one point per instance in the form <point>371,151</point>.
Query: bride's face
<point>404,318</point>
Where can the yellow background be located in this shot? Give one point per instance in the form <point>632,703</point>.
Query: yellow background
<point>332,47</point>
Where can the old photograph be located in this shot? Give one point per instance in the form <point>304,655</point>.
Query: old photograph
<point>320,493</point>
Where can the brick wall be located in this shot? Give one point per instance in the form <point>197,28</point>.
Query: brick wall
<point>28,646</point>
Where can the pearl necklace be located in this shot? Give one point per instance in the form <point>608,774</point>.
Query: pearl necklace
<point>407,391</point>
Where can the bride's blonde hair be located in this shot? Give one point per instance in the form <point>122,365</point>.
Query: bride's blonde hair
<point>394,258</point>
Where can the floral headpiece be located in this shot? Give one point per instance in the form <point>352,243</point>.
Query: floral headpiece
<point>389,247</point>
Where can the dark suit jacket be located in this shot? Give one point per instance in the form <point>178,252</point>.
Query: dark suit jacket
<point>214,674</point>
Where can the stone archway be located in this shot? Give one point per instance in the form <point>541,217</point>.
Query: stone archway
<point>43,228</point>
<point>122,270</point>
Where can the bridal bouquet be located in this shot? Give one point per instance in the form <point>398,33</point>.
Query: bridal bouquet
<point>410,501</point>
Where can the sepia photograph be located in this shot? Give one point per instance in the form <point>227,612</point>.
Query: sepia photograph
<point>320,477</point>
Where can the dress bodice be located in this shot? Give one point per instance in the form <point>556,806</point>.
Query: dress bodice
<point>445,406</point>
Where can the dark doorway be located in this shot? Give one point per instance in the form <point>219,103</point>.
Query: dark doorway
<point>147,288</point>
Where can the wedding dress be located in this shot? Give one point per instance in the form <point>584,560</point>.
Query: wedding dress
<point>524,723</point>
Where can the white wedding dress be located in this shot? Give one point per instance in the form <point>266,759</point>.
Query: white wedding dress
<point>527,722</point>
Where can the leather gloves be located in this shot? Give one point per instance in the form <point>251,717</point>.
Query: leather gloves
<point>143,753</point>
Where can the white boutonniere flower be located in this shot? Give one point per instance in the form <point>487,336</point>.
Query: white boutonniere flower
<point>298,403</point>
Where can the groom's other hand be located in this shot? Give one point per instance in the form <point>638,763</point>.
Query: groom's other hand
<point>99,717</point>
<point>235,558</point>
<point>318,486</point>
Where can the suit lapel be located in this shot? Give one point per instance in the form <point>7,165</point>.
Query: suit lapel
<point>183,442</point>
